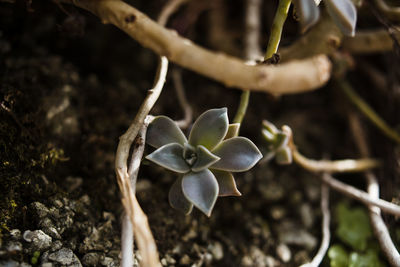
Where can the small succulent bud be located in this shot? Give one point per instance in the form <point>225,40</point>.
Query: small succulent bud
<point>277,143</point>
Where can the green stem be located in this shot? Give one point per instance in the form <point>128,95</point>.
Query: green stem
<point>277,26</point>
<point>369,112</point>
<point>244,102</point>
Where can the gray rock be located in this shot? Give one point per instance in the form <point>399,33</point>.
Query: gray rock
<point>56,245</point>
<point>14,247</point>
<point>38,239</point>
<point>108,262</point>
<point>91,259</point>
<point>65,257</point>
<point>284,253</point>
<point>40,209</point>
<point>257,258</point>
<point>47,264</point>
<point>185,260</point>
<point>15,234</point>
<point>292,234</point>
<point>216,250</point>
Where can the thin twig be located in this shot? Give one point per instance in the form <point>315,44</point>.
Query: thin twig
<point>243,104</point>
<point>390,12</point>
<point>139,221</point>
<point>252,49</point>
<point>277,27</point>
<point>127,176</point>
<point>323,38</point>
<point>359,195</point>
<point>369,41</point>
<point>378,225</point>
<point>127,234</point>
<point>326,233</point>
<point>292,77</point>
<point>183,102</point>
<point>369,112</point>
<point>335,166</point>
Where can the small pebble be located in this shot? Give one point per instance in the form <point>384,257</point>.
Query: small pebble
<point>284,252</point>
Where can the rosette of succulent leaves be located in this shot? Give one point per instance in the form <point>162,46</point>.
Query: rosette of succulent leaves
<point>204,162</point>
<point>342,12</point>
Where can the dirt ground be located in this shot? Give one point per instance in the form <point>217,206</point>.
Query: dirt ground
<point>70,86</point>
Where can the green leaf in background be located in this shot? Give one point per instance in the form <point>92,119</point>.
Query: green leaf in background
<point>369,259</point>
<point>338,256</point>
<point>353,228</point>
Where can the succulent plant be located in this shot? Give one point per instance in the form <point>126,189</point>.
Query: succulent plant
<point>343,13</point>
<point>205,161</point>
<point>277,143</point>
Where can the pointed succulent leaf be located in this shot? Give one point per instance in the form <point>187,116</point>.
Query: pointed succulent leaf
<point>237,154</point>
<point>270,127</point>
<point>233,130</point>
<point>344,14</point>
<point>204,159</point>
<point>308,13</point>
<point>210,128</point>
<point>170,157</point>
<point>177,199</point>
<point>201,189</point>
<point>162,130</point>
<point>284,156</point>
<point>226,183</point>
<point>270,137</point>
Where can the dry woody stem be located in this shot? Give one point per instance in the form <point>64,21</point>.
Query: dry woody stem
<point>380,230</point>
<point>326,233</point>
<point>293,77</point>
<point>361,196</point>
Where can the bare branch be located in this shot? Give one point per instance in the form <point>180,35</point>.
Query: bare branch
<point>180,92</point>
<point>253,28</point>
<point>361,196</point>
<point>390,12</point>
<point>335,166</point>
<point>329,166</point>
<point>293,77</point>
<point>326,233</point>
<point>371,41</point>
<point>378,225</point>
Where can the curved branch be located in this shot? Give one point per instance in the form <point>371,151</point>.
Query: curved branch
<point>335,166</point>
<point>390,12</point>
<point>361,196</point>
<point>293,77</point>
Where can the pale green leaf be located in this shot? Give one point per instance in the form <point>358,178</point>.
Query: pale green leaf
<point>177,199</point>
<point>162,130</point>
<point>354,227</point>
<point>338,256</point>
<point>308,13</point>
<point>237,154</point>
<point>344,14</point>
<point>204,159</point>
<point>201,189</point>
<point>368,259</point>
<point>210,128</point>
<point>170,157</point>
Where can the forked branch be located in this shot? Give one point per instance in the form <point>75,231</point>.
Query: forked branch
<point>293,77</point>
